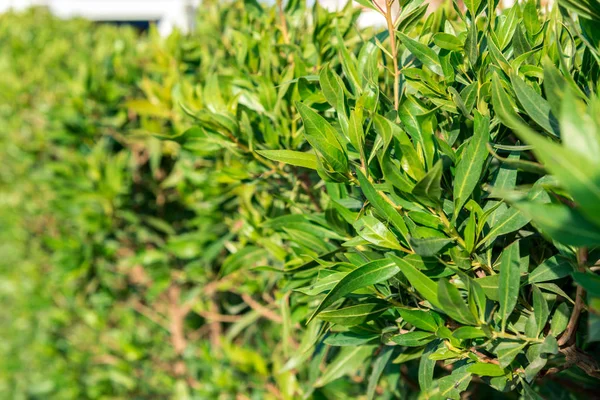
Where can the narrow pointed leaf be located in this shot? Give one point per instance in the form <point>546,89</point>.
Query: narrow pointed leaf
<point>508,286</point>
<point>367,275</point>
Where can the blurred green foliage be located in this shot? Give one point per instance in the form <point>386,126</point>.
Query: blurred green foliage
<point>282,205</point>
<point>111,238</point>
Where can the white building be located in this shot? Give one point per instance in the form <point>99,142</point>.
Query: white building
<point>166,13</point>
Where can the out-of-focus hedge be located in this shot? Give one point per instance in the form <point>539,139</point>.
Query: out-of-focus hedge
<point>112,240</point>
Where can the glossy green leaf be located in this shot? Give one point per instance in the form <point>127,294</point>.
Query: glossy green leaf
<point>508,285</point>
<point>354,315</point>
<point>471,162</point>
<point>424,285</point>
<point>413,339</point>
<point>468,332</point>
<point>453,304</point>
<point>429,247</point>
<point>503,106</point>
<point>323,138</point>
<point>374,231</point>
<point>425,320</point>
<point>486,369</point>
<point>366,275</point>
<point>562,223</point>
<point>427,366</point>
<point>553,268</point>
<point>381,205</point>
<point>447,41</point>
<point>430,185</point>
<point>507,351</point>
<point>379,365</point>
<point>423,53</point>
<point>535,106</point>
<point>540,309</point>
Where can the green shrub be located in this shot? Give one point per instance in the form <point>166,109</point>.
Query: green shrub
<point>282,205</point>
<point>442,238</point>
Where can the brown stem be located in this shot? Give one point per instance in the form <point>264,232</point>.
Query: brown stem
<point>176,319</point>
<point>305,184</point>
<point>215,325</point>
<point>150,314</point>
<point>484,358</point>
<point>283,22</point>
<point>394,49</point>
<point>568,338</point>
<point>212,316</point>
<point>262,310</point>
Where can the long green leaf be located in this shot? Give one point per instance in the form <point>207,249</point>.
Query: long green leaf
<point>424,285</point>
<point>508,286</point>
<point>297,158</point>
<point>423,53</point>
<point>382,206</point>
<point>369,274</point>
<point>323,138</point>
<point>471,162</point>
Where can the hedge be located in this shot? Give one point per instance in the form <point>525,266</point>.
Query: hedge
<point>284,205</point>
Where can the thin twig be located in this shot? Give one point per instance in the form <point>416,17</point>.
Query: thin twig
<point>569,336</point>
<point>394,49</point>
<point>259,308</point>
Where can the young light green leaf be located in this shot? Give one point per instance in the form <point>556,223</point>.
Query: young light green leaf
<point>246,257</point>
<point>486,369</point>
<point>473,7</point>
<point>296,158</point>
<point>348,64</point>
<point>356,133</point>
<point>333,90</point>
<point>447,41</point>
